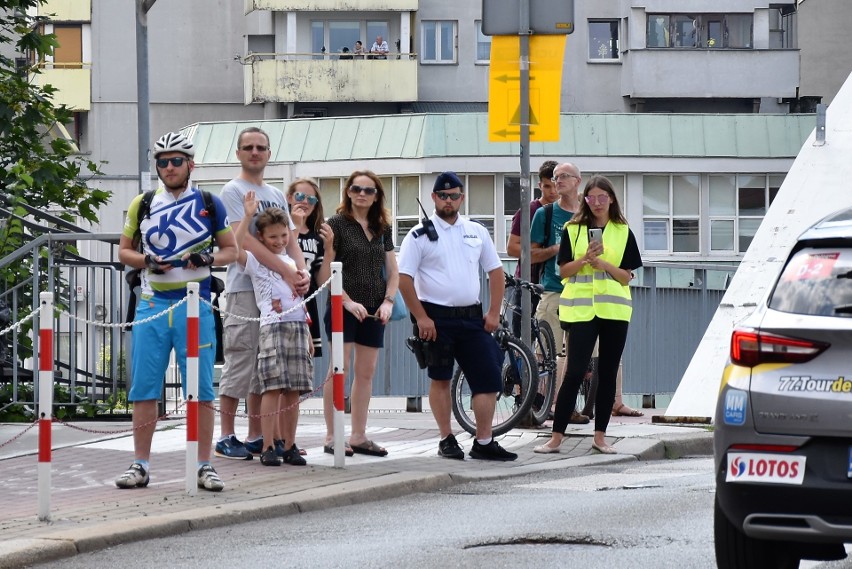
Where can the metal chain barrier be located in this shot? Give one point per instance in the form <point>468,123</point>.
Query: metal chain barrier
<point>19,435</point>
<point>20,322</point>
<point>122,324</point>
<point>120,431</point>
<point>278,315</point>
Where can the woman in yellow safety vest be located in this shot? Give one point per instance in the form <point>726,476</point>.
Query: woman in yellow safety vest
<point>596,267</point>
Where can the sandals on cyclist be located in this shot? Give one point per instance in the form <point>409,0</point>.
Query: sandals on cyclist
<point>625,411</point>
<point>370,448</point>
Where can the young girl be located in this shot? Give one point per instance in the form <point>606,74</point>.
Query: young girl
<point>284,364</point>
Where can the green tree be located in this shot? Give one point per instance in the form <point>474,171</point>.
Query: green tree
<point>36,169</point>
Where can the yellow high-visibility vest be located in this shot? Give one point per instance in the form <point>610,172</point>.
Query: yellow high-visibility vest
<point>590,292</point>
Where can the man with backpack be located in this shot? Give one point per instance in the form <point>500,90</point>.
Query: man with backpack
<point>177,234</point>
<point>545,236</point>
<point>513,246</point>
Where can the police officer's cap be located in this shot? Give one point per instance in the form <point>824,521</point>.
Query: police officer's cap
<point>447,181</point>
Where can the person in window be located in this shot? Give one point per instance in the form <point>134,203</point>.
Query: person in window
<point>596,302</point>
<point>359,52</point>
<point>345,53</point>
<point>379,49</point>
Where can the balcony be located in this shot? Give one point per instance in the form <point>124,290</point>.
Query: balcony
<point>701,73</point>
<point>72,81</point>
<point>332,5</point>
<point>67,10</point>
<point>329,79</point>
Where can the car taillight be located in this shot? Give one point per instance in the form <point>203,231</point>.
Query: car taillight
<point>750,348</point>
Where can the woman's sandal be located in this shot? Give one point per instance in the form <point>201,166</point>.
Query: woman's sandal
<point>625,411</point>
<point>329,449</point>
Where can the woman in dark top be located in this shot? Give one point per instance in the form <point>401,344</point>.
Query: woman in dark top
<point>596,303</point>
<point>363,242</point>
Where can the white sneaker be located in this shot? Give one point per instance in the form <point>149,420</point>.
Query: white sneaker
<point>134,477</point>
<point>209,480</point>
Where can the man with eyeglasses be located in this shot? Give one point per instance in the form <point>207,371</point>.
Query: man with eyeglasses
<point>177,236</point>
<point>241,337</point>
<point>544,246</point>
<point>513,245</point>
<point>439,280</point>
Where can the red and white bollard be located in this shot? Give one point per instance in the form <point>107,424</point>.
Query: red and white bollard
<point>192,388</point>
<point>338,364</point>
<point>45,402</point>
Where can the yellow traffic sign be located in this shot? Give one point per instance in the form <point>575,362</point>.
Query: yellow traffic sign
<point>504,97</point>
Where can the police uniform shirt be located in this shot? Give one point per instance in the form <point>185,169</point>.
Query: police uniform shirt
<point>446,271</point>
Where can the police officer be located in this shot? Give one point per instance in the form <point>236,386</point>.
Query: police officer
<point>439,280</point>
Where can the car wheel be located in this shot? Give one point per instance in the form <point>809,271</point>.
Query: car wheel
<point>736,550</point>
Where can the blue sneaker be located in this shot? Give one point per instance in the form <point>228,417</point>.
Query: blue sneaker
<point>255,446</point>
<point>232,448</point>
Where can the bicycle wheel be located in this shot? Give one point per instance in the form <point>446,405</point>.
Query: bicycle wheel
<point>544,347</point>
<point>513,401</point>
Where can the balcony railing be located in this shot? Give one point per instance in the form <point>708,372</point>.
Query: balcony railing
<point>733,73</point>
<point>331,5</point>
<point>330,77</point>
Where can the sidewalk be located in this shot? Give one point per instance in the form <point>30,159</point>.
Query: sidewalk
<point>89,513</point>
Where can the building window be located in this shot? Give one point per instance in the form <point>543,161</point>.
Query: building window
<point>704,31</point>
<point>331,36</point>
<point>483,45</point>
<point>438,42</point>
<point>603,40</point>
<point>69,50</point>
<point>671,211</point>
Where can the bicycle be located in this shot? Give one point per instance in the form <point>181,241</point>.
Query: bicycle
<point>519,380</point>
<point>543,345</point>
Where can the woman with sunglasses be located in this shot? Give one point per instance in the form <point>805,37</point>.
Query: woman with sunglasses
<point>363,243</point>
<point>314,236</point>
<point>597,255</point>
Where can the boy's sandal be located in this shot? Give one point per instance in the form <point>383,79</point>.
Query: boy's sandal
<point>370,448</point>
<point>329,449</point>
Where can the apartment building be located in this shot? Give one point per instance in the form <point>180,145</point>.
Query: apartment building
<point>690,194</point>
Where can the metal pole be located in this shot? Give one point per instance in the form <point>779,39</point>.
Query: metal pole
<point>524,33</point>
<point>143,119</point>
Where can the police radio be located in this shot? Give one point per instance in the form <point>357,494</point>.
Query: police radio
<point>428,226</point>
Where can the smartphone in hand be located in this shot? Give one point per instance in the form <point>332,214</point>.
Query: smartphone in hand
<point>596,234</point>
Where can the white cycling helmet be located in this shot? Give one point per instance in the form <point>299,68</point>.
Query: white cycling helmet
<point>174,142</point>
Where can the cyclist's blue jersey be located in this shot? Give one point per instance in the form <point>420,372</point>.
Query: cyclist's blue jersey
<point>173,228</point>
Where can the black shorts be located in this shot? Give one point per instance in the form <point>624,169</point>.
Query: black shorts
<point>370,332</point>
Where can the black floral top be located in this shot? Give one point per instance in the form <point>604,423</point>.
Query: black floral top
<point>363,260</point>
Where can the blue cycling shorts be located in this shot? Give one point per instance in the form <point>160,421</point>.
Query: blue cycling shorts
<point>153,342</point>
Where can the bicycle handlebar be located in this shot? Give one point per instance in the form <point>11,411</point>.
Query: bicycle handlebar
<point>534,288</point>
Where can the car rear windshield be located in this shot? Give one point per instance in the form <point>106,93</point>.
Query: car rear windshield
<point>817,282</point>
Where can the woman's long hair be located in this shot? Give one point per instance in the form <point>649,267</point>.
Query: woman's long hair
<point>585,216</point>
<point>378,218</point>
<point>317,217</point>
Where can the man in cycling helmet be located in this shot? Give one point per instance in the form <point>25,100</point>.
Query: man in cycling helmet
<point>177,236</point>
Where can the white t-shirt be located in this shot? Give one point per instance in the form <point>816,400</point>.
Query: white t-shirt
<point>446,271</point>
<point>232,196</point>
<point>268,286</point>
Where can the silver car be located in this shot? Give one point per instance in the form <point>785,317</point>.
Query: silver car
<point>783,437</point>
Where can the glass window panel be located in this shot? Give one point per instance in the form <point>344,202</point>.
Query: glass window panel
<point>618,185</point>
<point>447,40</point>
<point>752,201</point>
<point>774,185</point>
<point>722,235</point>
<point>658,31</point>
<point>430,43</point>
<point>387,185</point>
<point>407,192</point>
<point>480,195</point>
<point>511,194</point>
<point>656,235</point>
<point>403,226</point>
<point>603,40</point>
<point>714,34</point>
<point>748,227</point>
<point>685,235</point>
<point>330,192</point>
<point>483,45</point>
<point>685,31</point>
<point>655,199</point>
<point>685,195</point>
<point>317,38</point>
<point>722,192</point>
<point>342,34</point>
<point>738,30</point>
<point>378,28</point>
<point>212,187</point>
